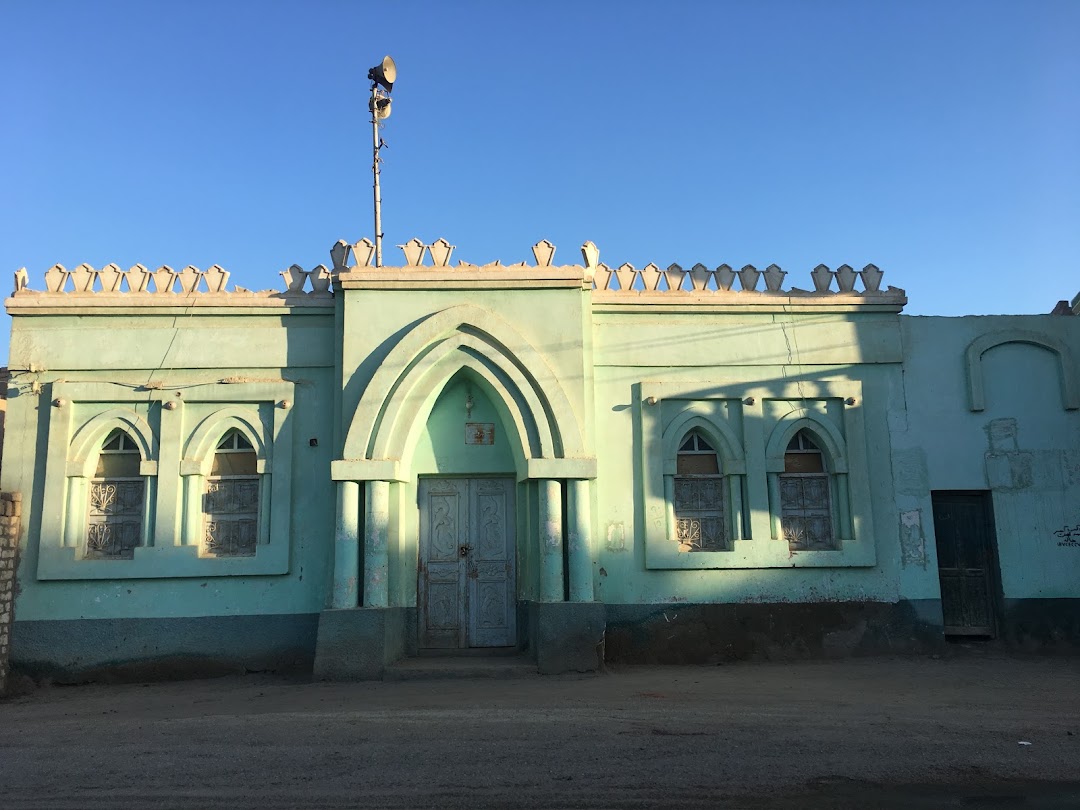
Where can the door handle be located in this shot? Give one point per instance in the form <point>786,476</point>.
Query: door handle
<point>463,551</point>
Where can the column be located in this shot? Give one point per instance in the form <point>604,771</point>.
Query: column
<point>551,540</point>
<point>347,546</point>
<point>193,510</point>
<point>776,530</point>
<point>579,541</point>
<point>75,519</point>
<point>169,509</point>
<point>376,543</point>
<point>843,506</point>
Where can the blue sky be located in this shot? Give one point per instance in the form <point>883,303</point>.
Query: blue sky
<point>939,140</point>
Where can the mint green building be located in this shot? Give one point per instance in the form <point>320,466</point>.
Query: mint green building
<point>573,461</point>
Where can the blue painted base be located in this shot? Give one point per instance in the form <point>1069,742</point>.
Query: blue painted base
<point>358,644</point>
<point>80,650</point>
<point>701,634</point>
<point>567,636</point>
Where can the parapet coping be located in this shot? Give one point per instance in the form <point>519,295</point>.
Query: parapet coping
<point>86,288</point>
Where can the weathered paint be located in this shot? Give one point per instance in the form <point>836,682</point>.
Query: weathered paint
<point>1022,445</point>
<point>584,392</point>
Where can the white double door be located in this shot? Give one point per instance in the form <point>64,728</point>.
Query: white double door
<point>466,580</point>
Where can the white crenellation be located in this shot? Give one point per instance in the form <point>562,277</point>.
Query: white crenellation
<point>339,256</point>
<point>346,257</point>
<point>650,276</point>
<point>110,277</point>
<point>362,252</point>
<point>590,254</point>
<point>216,279</point>
<point>871,278</point>
<point>190,278</point>
<point>625,275</point>
<point>774,278</point>
<point>602,276</point>
<point>414,251</point>
<point>822,277</point>
<point>543,252</point>
<point>725,277</point>
<point>699,277</point>
<point>748,277</point>
<point>845,278</point>
<point>295,279</point>
<point>674,276</point>
<point>138,280</point>
<point>440,251</point>
<point>163,279</point>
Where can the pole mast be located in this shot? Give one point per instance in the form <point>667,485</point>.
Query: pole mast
<point>382,78</point>
<point>376,143</point>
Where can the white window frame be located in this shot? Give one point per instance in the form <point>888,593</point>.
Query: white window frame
<point>760,418</point>
<point>84,413</point>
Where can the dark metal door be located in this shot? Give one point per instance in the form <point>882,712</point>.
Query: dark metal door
<point>963,523</point>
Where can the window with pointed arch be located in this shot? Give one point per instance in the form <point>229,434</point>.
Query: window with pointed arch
<point>231,503</point>
<point>700,497</point>
<point>806,514</point>
<point>117,502</point>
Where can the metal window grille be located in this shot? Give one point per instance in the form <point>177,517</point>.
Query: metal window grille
<point>700,498</point>
<point>117,499</point>
<point>231,502</point>
<point>806,498</point>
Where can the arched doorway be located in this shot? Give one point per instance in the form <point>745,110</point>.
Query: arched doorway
<point>466,570</point>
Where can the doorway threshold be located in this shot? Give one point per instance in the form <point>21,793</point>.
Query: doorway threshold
<point>461,667</point>
<point>470,652</point>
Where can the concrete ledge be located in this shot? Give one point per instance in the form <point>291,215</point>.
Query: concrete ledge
<point>703,634</point>
<point>80,650</point>
<point>567,636</point>
<point>358,644</point>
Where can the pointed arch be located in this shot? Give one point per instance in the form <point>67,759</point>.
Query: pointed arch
<point>200,448</point>
<point>829,439</point>
<point>464,336</point>
<point>1070,390</point>
<point>721,436</point>
<point>513,407</point>
<point>86,443</point>
<point>404,406</point>
<point>516,421</point>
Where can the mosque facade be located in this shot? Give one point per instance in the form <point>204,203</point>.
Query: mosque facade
<point>575,462</point>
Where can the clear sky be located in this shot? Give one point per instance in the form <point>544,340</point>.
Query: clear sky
<point>939,140</point>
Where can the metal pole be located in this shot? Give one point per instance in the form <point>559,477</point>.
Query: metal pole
<point>375,172</point>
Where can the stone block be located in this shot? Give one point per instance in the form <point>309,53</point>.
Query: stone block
<point>567,636</point>
<point>357,644</point>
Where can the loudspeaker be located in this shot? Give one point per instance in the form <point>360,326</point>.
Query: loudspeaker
<point>384,73</point>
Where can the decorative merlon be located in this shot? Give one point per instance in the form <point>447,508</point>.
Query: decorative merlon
<point>165,280</point>
<point>356,260</point>
<point>700,279</point>
<point>627,278</point>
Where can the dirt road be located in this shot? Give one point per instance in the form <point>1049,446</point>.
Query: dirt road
<point>866,733</point>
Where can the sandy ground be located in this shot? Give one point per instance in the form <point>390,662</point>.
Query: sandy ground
<point>865,733</point>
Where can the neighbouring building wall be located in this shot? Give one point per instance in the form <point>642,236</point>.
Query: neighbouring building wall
<point>10,521</point>
<point>992,404</point>
<point>5,376</point>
